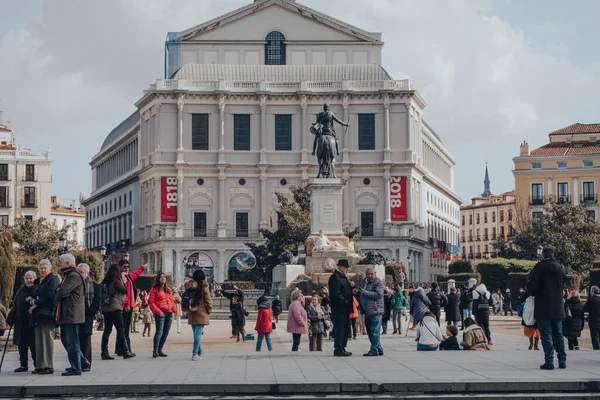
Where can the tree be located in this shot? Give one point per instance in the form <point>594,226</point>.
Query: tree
<point>94,260</point>
<point>574,236</point>
<point>459,267</point>
<point>7,269</point>
<point>36,238</point>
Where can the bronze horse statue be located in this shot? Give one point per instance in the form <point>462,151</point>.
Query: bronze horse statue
<point>326,145</point>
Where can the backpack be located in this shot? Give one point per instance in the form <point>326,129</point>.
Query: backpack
<point>188,300</point>
<point>482,303</point>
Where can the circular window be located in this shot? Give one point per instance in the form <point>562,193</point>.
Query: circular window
<point>367,181</point>
<point>283,182</point>
<point>200,181</point>
<point>242,181</point>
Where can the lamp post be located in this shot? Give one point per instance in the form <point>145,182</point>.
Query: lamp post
<point>487,255</point>
<point>104,258</point>
<point>62,245</point>
<point>540,249</point>
<point>410,271</point>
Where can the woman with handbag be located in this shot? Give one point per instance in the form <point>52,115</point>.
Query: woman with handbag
<point>574,321</point>
<point>264,323</point>
<point>319,321</point>
<point>530,328</point>
<point>199,311</point>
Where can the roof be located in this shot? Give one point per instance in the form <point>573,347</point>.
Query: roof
<point>66,210</point>
<point>577,128</point>
<point>282,73</point>
<point>291,5</point>
<point>4,128</point>
<point>7,147</point>
<point>123,127</point>
<point>561,149</point>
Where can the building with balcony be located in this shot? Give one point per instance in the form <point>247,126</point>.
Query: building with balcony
<point>228,127</point>
<point>565,170</point>
<point>25,180</point>
<point>486,219</point>
<point>71,216</point>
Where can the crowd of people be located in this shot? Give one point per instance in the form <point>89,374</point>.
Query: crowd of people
<point>339,311</point>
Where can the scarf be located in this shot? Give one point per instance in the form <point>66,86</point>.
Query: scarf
<point>90,291</point>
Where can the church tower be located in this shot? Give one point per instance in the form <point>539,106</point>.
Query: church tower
<point>486,183</point>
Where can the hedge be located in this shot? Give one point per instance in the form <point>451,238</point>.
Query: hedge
<point>494,273</point>
<point>459,277</point>
<point>459,267</point>
<point>595,277</point>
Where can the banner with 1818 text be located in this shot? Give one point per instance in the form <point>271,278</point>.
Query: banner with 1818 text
<point>168,197</point>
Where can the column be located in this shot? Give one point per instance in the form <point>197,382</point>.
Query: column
<point>304,130</point>
<point>408,133</point>
<point>344,137</point>
<point>180,205</point>
<point>264,200</point>
<point>222,129</point>
<point>386,123</point>
<point>575,200</point>
<point>263,129</point>
<point>220,273</point>
<point>549,188</point>
<point>346,195</point>
<point>222,205</point>
<point>386,196</point>
<point>180,105</point>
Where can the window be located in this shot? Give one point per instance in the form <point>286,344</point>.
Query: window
<point>591,214</point>
<point>199,131</point>
<point>283,132</point>
<point>110,206</point>
<point>241,224</point>
<point>485,234</point>
<point>130,197</point>
<point>470,235</point>
<point>3,220</point>
<point>366,223</point>
<point>28,217</point>
<point>588,163</point>
<point>275,49</point>
<point>366,131</point>
<point>536,165</point>
<point>537,195</point>
<point>494,233</point>
<point>29,200</point>
<point>561,164</point>
<point>29,172</point>
<point>593,139</point>
<point>493,216</point>
<point>502,232</point>
<point>3,196</point>
<point>470,219</point>
<point>241,132</point>
<point>478,221</point>
<point>501,215</point>
<point>120,202</point>
<point>463,219</point>
<point>3,172</point>
<point>537,214</point>
<point>562,192</point>
<point>199,224</point>
<point>485,219</point>
<point>510,215</point>
<point>589,192</point>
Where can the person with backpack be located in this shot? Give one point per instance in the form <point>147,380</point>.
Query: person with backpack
<point>112,308</point>
<point>398,305</point>
<point>438,300</point>
<point>482,301</point>
<point>197,301</point>
<point>466,305</point>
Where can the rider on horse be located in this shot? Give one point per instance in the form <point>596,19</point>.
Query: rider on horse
<point>325,126</point>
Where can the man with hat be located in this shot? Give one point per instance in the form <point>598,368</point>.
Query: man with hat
<point>340,294</point>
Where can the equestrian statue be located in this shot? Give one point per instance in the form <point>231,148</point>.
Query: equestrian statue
<point>325,145</point>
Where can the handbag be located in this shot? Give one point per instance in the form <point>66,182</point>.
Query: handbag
<point>273,325</point>
<point>568,313</point>
<point>529,312</point>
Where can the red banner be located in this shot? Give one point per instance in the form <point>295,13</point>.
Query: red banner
<point>435,254</point>
<point>398,199</point>
<point>168,196</point>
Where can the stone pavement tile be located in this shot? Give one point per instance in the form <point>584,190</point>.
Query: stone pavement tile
<point>259,369</point>
<point>313,368</point>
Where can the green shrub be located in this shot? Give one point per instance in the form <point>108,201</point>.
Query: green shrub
<point>494,273</point>
<point>458,267</point>
<point>7,268</point>
<point>94,260</point>
<point>514,282</point>
<point>459,277</point>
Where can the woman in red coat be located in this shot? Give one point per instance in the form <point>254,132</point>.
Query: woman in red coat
<point>162,304</point>
<point>264,323</point>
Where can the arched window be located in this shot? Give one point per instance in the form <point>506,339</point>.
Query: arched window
<point>275,49</point>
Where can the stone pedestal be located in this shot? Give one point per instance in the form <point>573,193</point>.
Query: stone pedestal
<point>326,206</point>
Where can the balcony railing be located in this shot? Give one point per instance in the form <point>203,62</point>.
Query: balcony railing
<point>5,204</point>
<point>485,237</point>
<point>204,233</point>
<point>534,201</point>
<point>249,233</point>
<point>281,87</point>
<point>29,177</point>
<point>29,204</point>
<point>4,177</point>
<point>470,238</point>
<point>561,199</point>
<point>478,238</point>
<point>462,239</point>
<point>589,198</point>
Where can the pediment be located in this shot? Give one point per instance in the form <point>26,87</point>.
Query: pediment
<point>295,21</point>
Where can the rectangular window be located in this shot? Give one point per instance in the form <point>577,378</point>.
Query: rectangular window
<point>199,131</point>
<point>536,165</point>
<point>29,217</point>
<point>241,132</point>
<point>591,214</point>
<point>366,223</point>
<point>510,215</point>
<point>29,200</point>
<point>470,219</point>
<point>588,163</point>
<point>493,216</point>
<point>110,206</point>
<point>199,224</point>
<point>120,204</point>
<point>3,196</point>
<point>3,220</point>
<point>501,216</point>
<point>283,132</point>
<point>130,197</point>
<point>562,192</point>
<point>241,224</point>
<point>478,221</point>
<point>485,220</point>
<point>485,234</point>
<point>494,233</point>
<point>589,191</point>
<point>502,232</point>
<point>30,172</point>
<point>3,172</point>
<point>561,164</point>
<point>537,194</point>
<point>366,131</point>
<point>463,219</point>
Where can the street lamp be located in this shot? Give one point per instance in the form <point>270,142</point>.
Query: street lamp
<point>487,254</point>
<point>540,249</point>
<point>410,272</point>
<point>62,245</point>
<point>126,256</point>
<point>104,258</point>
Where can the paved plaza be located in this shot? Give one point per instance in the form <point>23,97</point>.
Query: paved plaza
<point>234,368</point>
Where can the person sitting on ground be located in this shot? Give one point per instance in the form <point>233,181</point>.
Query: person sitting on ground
<point>429,335</point>
<point>473,336</point>
<point>451,341</point>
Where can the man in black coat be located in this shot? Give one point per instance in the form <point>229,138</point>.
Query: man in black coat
<point>452,308</point>
<point>592,306</point>
<point>546,283</point>
<point>438,300</point>
<point>340,294</point>
<point>93,302</point>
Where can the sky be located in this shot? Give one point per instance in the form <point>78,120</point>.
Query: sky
<point>493,72</point>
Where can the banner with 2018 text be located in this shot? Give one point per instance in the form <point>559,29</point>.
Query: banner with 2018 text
<point>168,197</point>
<point>398,199</point>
